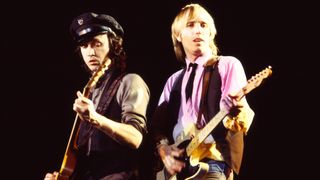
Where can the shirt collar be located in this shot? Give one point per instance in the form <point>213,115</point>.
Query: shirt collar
<point>201,60</point>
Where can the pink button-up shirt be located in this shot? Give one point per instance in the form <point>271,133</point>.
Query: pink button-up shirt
<point>233,78</point>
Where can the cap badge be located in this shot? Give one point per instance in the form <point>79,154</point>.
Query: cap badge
<point>80,21</point>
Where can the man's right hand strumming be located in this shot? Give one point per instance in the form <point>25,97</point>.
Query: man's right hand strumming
<point>168,155</point>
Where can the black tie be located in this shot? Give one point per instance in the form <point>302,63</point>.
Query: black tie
<point>189,86</point>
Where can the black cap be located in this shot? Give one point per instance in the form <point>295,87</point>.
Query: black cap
<point>87,25</point>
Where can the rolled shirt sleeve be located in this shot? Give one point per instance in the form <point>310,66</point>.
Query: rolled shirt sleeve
<point>233,80</point>
<point>133,96</point>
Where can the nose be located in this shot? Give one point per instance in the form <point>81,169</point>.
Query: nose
<point>197,28</point>
<point>91,51</point>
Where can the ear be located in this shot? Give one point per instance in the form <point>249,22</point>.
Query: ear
<point>178,37</point>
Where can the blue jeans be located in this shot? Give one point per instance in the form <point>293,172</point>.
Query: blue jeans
<point>218,170</point>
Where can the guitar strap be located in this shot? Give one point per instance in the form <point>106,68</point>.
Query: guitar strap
<point>109,94</point>
<point>206,78</point>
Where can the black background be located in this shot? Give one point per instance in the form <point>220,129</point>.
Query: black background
<point>41,74</point>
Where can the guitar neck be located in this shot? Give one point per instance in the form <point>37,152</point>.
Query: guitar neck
<point>69,159</point>
<point>86,92</point>
<point>204,133</point>
<point>252,83</point>
<point>75,128</point>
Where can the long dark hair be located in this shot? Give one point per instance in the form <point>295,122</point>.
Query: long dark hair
<point>117,53</point>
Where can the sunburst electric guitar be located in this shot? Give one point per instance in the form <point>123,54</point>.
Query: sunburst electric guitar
<point>70,159</point>
<point>191,139</point>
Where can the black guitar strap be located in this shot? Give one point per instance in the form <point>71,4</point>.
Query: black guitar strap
<point>109,94</point>
<point>206,78</point>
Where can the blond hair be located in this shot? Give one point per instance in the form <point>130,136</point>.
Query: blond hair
<point>187,13</point>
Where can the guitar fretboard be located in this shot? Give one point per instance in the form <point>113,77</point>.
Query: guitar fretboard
<point>252,83</point>
<point>195,142</point>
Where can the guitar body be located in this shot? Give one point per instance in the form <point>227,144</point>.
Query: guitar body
<point>190,172</point>
<point>194,172</point>
<point>197,171</point>
<point>68,165</point>
<point>62,177</point>
<point>193,169</point>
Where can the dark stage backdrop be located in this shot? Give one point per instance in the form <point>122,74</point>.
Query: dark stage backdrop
<point>41,75</point>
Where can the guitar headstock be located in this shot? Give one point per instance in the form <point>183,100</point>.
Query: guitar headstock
<point>257,79</point>
<point>96,76</point>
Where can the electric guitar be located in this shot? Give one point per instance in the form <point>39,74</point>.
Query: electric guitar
<point>193,137</point>
<point>70,160</point>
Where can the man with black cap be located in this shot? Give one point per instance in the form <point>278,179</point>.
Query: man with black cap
<point>113,115</point>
